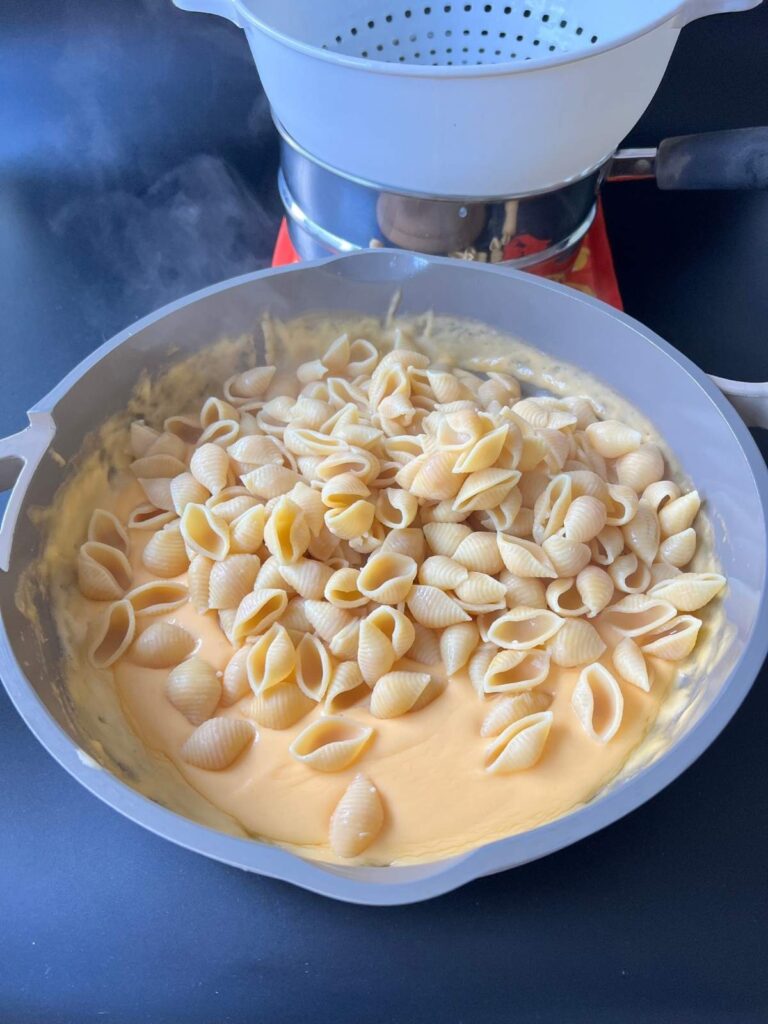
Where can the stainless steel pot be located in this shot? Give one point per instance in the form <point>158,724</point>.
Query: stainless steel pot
<point>331,212</point>
<point>712,442</point>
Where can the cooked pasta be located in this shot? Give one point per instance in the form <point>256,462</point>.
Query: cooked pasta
<point>369,553</point>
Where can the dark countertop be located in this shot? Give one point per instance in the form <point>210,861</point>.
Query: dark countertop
<point>134,141</point>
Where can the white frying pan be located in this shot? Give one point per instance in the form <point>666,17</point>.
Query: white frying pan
<point>711,441</point>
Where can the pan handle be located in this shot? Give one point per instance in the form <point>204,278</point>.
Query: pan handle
<point>223,8</point>
<point>735,159</point>
<point>749,400</point>
<point>20,455</point>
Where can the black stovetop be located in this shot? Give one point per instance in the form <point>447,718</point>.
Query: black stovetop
<point>137,163</point>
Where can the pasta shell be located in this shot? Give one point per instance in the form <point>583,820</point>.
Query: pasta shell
<point>215,409</point>
<point>353,521</point>
<point>185,489</point>
<point>640,468</point>
<point>270,481</point>
<point>247,530</point>
<point>678,515</point>
<point>226,617</point>
<point>689,591</point>
<point>564,599</point>
<point>545,412</point>
<point>220,433</point>
<point>612,438</point>
<point>106,528</point>
<point>161,645</point>
<point>621,505</point>
<point>342,590</point>
<point>523,590</point>
<point>256,450</point>
<point>234,683</point>
<point>387,577</point>
<point>271,659</point>
<point>598,703</point>
<point>279,707</point>
<point>642,534</point>
<point>357,819</point>
<point>307,577</point>
<point>663,571</point>
<point>607,545</point>
<point>324,547</point>
<point>331,743</point>
<point>358,462</point>
<point>481,593</point>
<point>485,489</point>
<point>674,640</point>
<point>566,556</point>
<point>166,553</point>
<point>409,542</point>
<point>186,428</point>
<point>523,628</point>
<point>103,572</point>
<point>478,663</point>
<point>204,533</point>
<point>156,598</point>
<point>433,608</point>
<point>112,635</point>
<point>157,467</point>
<point>217,743</point>
<point>157,490</point>
<point>286,534</point>
<point>311,504</point>
<point>425,648</point>
<point>148,517</point>
<point>551,507</point>
<point>445,538</point>
<point>638,614</point>
<point>660,494</point>
<point>232,506</point>
<point>142,437</point>
<point>294,616</point>
<point>345,644</point>
<point>397,693</point>
<point>629,574</point>
<point>431,476</point>
<point>595,588</point>
<point>347,688</point>
<point>385,635</point>
<point>396,508</point>
<point>194,689</point>
<point>629,662</point>
<point>169,443</point>
<point>585,482</point>
<point>442,572</point>
<point>584,519</point>
<point>679,549</point>
<point>257,612</point>
<point>313,667</point>
<point>576,643</point>
<point>524,558</point>
<point>479,552</point>
<point>209,465</point>
<point>326,619</point>
<point>198,580</point>
<point>516,671</point>
<point>231,579</point>
<point>505,516</point>
<point>457,644</point>
<point>511,709</point>
<point>520,745</point>
<point>250,384</point>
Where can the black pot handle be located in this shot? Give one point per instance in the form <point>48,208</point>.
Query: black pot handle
<point>735,159</point>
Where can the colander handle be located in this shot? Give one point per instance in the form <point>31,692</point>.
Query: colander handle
<point>222,8</point>
<point>749,400</point>
<point>735,159</point>
<point>694,9</point>
<point>20,455</point>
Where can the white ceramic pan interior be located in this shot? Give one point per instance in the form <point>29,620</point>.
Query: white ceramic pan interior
<point>711,441</point>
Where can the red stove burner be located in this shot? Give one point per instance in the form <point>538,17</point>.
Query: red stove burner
<point>591,271</point>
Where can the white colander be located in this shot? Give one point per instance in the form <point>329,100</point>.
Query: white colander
<point>466,99</point>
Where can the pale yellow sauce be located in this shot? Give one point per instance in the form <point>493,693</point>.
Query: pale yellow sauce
<point>429,766</point>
